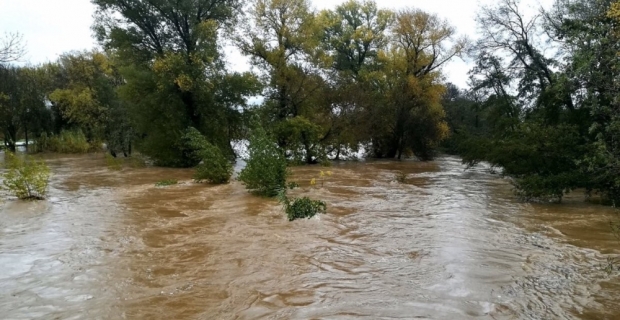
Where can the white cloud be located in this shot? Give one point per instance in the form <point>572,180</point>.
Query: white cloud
<point>51,28</point>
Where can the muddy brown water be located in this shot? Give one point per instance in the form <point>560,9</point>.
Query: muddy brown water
<point>448,243</point>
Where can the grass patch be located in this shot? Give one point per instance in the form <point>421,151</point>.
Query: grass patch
<point>166,183</point>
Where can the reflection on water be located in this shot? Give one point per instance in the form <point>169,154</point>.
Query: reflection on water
<point>446,244</point>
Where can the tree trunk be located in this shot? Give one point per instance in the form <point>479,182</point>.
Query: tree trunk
<point>26,134</point>
<point>10,138</point>
<point>190,108</point>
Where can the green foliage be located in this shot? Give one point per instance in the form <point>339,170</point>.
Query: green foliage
<point>65,142</point>
<point>292,185</point>
<point>551,124</point>
<point>138,161</point>
<point>214,167</point>
<point>166,183</point>
<point>266,170</point>
<point>354,34</point>
<point>541,158</point>
<point>113,163</point>
<point>84,98</point>
<point>301,208</point>
<point>301,137</point>
<point>25,178</point>
<point>174,78</point>
<point>22,107</point>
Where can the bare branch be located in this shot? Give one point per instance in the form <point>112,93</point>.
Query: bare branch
<point>12,47</point>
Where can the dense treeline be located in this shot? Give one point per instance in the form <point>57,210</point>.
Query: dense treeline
<point>542,102</point>
<point>330,81</point>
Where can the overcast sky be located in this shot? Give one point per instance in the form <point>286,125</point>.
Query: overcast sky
<point>52,27</point>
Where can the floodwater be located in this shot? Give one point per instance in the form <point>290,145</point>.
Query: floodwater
<point>448,243</point>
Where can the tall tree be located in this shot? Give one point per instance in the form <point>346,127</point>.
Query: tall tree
<point>411,118</point>
<point>86,93</point>
<point>22,104</point>
<point>282,38</point>
<point>169,56</point>
<point>354,34</point>
<point>551,117</point>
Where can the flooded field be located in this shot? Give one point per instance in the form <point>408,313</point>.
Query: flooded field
<point>448,243</point>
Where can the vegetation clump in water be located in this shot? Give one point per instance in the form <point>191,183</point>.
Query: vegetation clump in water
<point>401,177</point>
<point>65,142</point>
<point>26,178</point>
<point>166,183</point>
<point>301,208</point>
<point>266,170</point>
<point>113,163</point>
<point>213,166</point>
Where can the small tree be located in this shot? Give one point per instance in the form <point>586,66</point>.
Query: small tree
<point>25,178</point>
<point>214,167</point>
<point>266,170</point>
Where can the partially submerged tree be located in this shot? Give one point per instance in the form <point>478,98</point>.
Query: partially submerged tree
<point>266,170</point>
<point>410,117</point>
<point>22,105</point>
<point>282,39</point>
<point>168,53</point>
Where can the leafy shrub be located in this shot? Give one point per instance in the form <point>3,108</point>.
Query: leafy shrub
<point>65,142</point>
<point>25,178</point>
<point>214,167</point>
<point>165,183</point>
<point>113,163</point>
<point>138,161</point>
<point>301,137</point>
<point>266,170</point>
<point>301,208</point>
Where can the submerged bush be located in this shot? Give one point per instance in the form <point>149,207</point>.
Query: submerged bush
<point>401,177</point>
<point>138,161</point>
<point>301,208</point>
<point>65,142</point>
<point>25,178</point>
<point>165,183</point>
<point>266,170</point>
<point>213,166</point>
<point>113,163</point>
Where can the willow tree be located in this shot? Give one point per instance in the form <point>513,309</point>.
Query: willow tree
<point>175,77</point>
<point>282,39</point>
<point>353,35</point>
<point>410,119</point>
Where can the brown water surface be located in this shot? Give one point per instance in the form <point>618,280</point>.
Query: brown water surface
<point>448,243</point>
